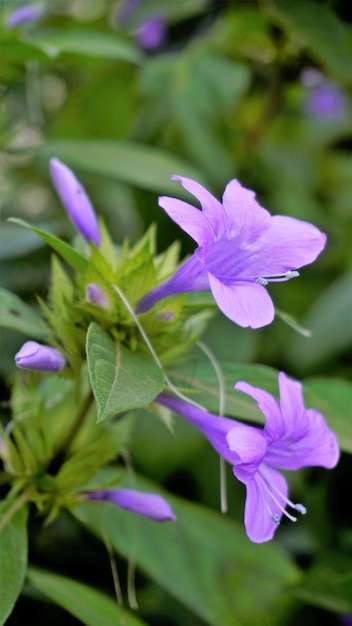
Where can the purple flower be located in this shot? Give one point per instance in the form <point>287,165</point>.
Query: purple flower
<point>75,201</point>
<point>241,248</point>
<point>293,437</point>
<point>147,504</point>
<point>35,356</point>
<point>26,13</point>
<point>324,98</point>
<point>151,33</point>
<point>95,295</point>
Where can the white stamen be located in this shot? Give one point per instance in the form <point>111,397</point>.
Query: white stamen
<point>265,280</point>
<point>298,507</point>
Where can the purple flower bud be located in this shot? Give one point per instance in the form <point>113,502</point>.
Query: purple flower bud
<point>97,296</point>
<point>324,98</point>
<point>75,201</point>
<point>151,33</point>
<point>149,505</point>
<point>24,14</point>
<point>34,356</point>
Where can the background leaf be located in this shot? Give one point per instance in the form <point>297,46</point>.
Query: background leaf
<point>120,380</point>
<point>17,315</point>
<point>13,558</point>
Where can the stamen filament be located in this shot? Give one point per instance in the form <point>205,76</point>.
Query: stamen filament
<point>265,280</point>
<point>298,507</point>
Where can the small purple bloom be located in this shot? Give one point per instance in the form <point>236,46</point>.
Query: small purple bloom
<point>25,14</point>
<point>151,33</point>
<point>95,295</point>
<point>293,437</point>
<point>147,504</point>
<point>241,248</point>
<point>75,201</point>
<point>324,98</point>
<point>35,356</point>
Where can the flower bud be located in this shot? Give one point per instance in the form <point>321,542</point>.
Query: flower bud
<point>24,14</point>
<point>34,356</point>
<point>75,201</point>
<point>95,295</point>
<point>151,34</point>
<point>149,505</point>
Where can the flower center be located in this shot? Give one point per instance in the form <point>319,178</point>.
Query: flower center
<point>278,278</point>
<point>281,502</point>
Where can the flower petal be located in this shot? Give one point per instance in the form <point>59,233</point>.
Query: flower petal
<point>245,304</point>
<point>274,424</point>
<point>289,244</point>
<point>190,219</point>
<point>292,406</point>
<point>250,446</point>
<point>212,209</point>
<point>244,215</point>
<point>260,509</point>
<point>147,504</point>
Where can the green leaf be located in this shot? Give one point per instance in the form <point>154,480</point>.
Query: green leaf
<point>73,258</point>
<point>120,380</point>
<point>319,29</point>
<point>19,316</point>
<point>88,43</point>
<point>331,397</point>
<point>203,559</point>
<point>13,556</point>
<point>144,166</point>
<point>89,606</point>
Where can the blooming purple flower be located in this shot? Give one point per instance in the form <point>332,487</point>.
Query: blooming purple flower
<point>241,248</point>
<point>75,201</point>
<point>95,295</point>
<point>293,437</point>
<point>147,504</point>
<point>35,356</point>
<point>151,33</point>
<point>24,14</point>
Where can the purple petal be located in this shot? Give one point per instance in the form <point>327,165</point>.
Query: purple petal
<point>292,406</point>
<point>35,356</point>
<point>245,216</point>
<point>274,424</point>
<point>250,446</point>
<point>245,304</point>
<point>75,201</point>
<point>212,209</point>
<point>24,14</point>
<point>289,244</point>
<point>260,507</point>
<point>149,505</point>
<point>190,219</point>
<point>95,295</point>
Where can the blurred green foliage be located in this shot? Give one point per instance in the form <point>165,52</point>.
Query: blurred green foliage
<point>224,96</point>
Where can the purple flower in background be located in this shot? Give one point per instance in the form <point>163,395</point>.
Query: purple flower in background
<point>147,504</point>
<point>95,295</point>
<point>293,437</point>
<point>75,201</point>
<point>35,356</point>
<point>346,620</point>
<point>241,248</point>
<point>324,98</point>
<point>25,14</point>
<point>151,34</point>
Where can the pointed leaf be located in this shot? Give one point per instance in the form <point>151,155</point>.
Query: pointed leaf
<point>13,557</point>
<point>19,316</point>
<point>73,258</point>
<point>121,380</point>
<point>89,606</point>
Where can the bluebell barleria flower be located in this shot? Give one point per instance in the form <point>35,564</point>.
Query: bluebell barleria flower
<point>151,33</point>
<point>75,200</point>
<point>241,248</point>
<point>147,504</point>
<point>293,437</point>
<point>36,356</point>
<point>23,15</point>
<point>324,99</point>
<point>95,295</point>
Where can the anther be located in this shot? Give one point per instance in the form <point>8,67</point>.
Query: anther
<point>300,508</point>
<point>265,280</point>
<point>275,518</point>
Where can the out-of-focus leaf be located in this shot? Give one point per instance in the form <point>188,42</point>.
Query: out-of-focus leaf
<point>331,397</point>
<point>133,163</point>
<point>329,319</point>
<point>319,29</point>
<point>17,315</point>
<point>88,43</point>
<point>181,9</point>
<point>328,584</point>
<point>68,253</point>
<point>203,559</point>
<point>121,380</point>
<point>89,606</point>
<point>13,557</point>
